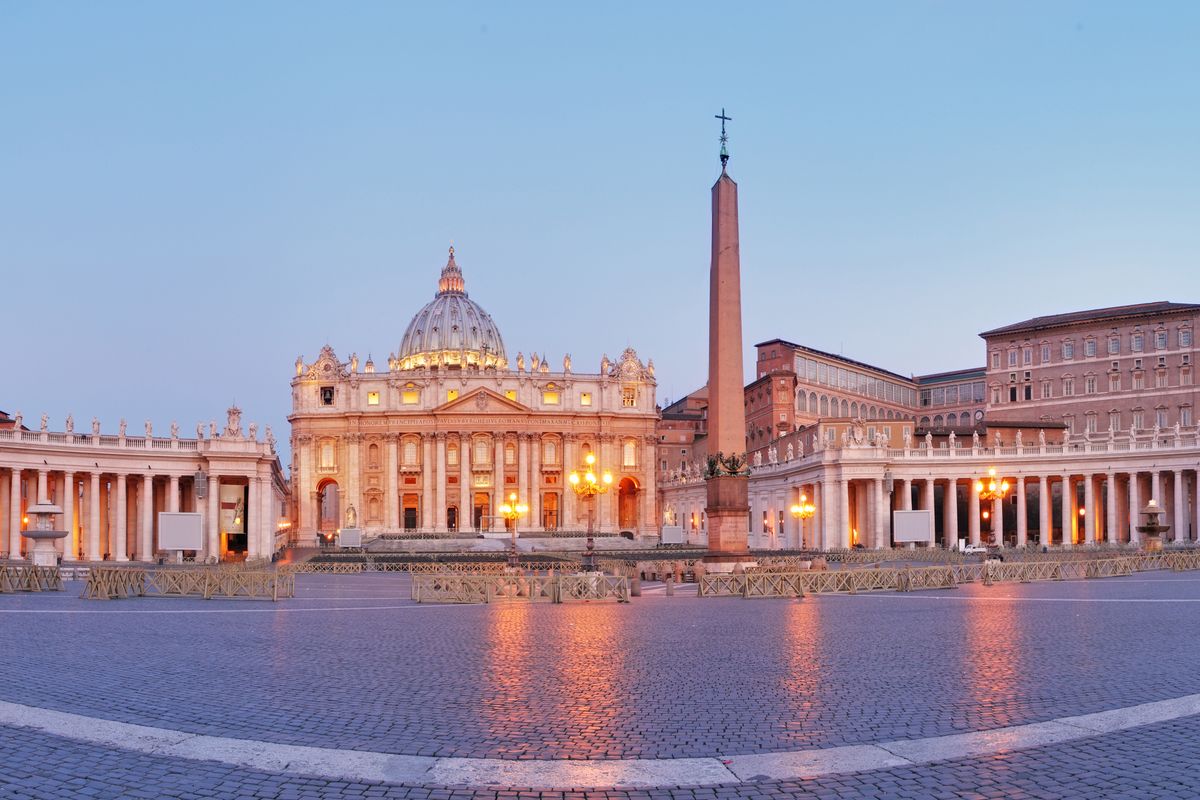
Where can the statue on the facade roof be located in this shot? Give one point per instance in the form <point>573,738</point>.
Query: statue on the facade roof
<point>928,440</point>
<point>252,432</point>
<point>121,428</point>
<point>174,429</point>
<point>95,426</point>
<point>351,516</point>
<point>520,362</point>
<point>907,440</point>
<point>773,454</point>
<point>269,438</point>
<point>791,452</point>
<point>299,365</point>
<point>1041,437</point>
<point>951,440</point>
<point>604,364</point>
<point>354,362</point>
<point>534,361</point>
<point>883,438</point>
<point>233,422</point>
<point>974,440</point>
<point>650,368</point>
<point>567,363</point>
<point>17,420</point>
<point>212,429</point>
<point>199,430</point>
<point>70,424</point>
<point>758,458</point>
<point>1020,439</point>
<point>149,429</point>
<point>45,422</point>
<point>1178,432</point>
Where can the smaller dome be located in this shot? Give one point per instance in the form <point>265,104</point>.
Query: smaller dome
<point>451,330</point>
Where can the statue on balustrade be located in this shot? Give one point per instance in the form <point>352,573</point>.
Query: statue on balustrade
<point>351,517</point>
<point>252,431</point>
<point>149,429</point>
<point>174,429</point>
<point>928,441</point>
<point>567,363</point>
<point>1020,440</point>
<point>45,422</point>
<point>951,440</point>
<point>70,424</point>
<point>95,426</point>
<point>520,362</point>
<point>790,452</point>
<point>122,427</point>
<point>974,440</point>
<point>199,430</point>
<point>269,437</point>
<point>907,440</point>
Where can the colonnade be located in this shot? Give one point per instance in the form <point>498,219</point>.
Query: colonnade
<point>113,515</point>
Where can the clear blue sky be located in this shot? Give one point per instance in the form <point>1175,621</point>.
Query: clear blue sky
<point>192,194</point>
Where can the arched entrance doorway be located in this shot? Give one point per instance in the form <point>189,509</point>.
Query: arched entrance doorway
<point>627,503</point>
<point>329,508</point>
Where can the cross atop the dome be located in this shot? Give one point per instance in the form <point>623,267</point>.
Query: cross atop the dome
<point>452,279</point>
<point>724,138</point>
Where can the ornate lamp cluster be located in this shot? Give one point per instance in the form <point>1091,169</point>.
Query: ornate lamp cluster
<point>803,509</point>
<point>587,482</point>
<point>512,511</point>
<point>993,489</point>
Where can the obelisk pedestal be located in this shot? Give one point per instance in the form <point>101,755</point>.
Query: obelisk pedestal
<point>728,509</point>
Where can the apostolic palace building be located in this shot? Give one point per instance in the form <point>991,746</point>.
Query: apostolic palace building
<point>453,425</point>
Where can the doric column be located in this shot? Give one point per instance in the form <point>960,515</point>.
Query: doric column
<point>427,501</point>
<point>93,545</point>
<point>213,551</point>
<point>172,494</point>
<point>844,513</point>
<point>1156,493</point>
<point>1068,512</point>
<point>950,532</point>
<point>354,479</point>
<point>70,495</point>
<point>1022,513</point>
<point>1134,509</point>
<point>146,503</point>
<point>253,522</point>
<point>121,529</point>
<point>905,494</point>
<point>881,515</point>
<point>1196,507</point>
<point>973,515</point>
<point>393,484</point>
<point>465,511</point>
<point>498,468</point>
<point>1089,505</point>
<point>928,504</point>
<point>1110,517</point>
<point>571,461</point>
<point>43,495</point>
<point>440,484</point>
<point>535,483</point>
<point>997,522</point>
<point>1180,522</point>
<point>649,486</point>
<point>604,516</point>
<point>14,514</point>
<point>1045,527</point>
<point>303,486</point>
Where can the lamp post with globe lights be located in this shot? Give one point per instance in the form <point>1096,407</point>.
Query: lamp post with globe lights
<point>803,510</point>
<point>587,482</point>
<point>992,489</point>
<point>512,511</point>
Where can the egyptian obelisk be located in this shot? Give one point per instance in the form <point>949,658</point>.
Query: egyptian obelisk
<point>727,479</point>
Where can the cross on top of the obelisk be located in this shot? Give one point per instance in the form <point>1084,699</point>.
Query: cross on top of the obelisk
<point>724,138</point>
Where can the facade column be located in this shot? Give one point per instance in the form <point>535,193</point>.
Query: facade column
<point>120,531</point>
<point>973,515</point>
<point>1179,523</point>
<point>498,469</point>
<point>950,532</point>
<point>928,503</point>
<point>649,466</point>
<point>1156,493</point>
<point>70,495</point>
<point>1022,513</point>
<point>441,482</point>
<point>466,519</point>
<point>844,513</point>
<point>393,484</point>
<point>1134,509</point>
<point>1089,505</point>
<point>825,516</point>
<point>997,522</point>
<point>523,478</point>
<point>304,511</point>
<point>353,489</point>
<point>93,546</point>
<point>569,512</point>
<point>535,484</point>
<point>14,515</point>
<point>1068,512</point>
<point>881,515</point>
<point>172,494</point>
<point>1196,508</point>
<point>214,519</point>
<point>905,494</point>
<point>252,521</point>
<point>1045,526</point>
<point>427,481</point>
<point>43,495</point>
<point>603,510</point>
<point>1110,503</point>
<point>146,501</point>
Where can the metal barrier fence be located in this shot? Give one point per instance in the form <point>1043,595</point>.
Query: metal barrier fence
<point>463,588</point>
<point>904,579</point>
<point>110,583</point>
<point>28,578</point>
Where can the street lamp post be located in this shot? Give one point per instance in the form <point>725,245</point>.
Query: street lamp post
<point>992,489</point>
<point>512,511</point>
<point>803,510</point>
<point>587,484</point>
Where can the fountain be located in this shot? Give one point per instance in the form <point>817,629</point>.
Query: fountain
<point>43,538</point>
<point>1152,530</point>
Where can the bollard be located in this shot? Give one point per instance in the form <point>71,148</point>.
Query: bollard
<point>670,586</point>
<point>635,586</point>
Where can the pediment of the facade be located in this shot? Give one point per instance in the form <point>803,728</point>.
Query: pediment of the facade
<point>482,401</point>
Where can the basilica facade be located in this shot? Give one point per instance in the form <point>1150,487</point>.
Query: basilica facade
<point>434,443</point>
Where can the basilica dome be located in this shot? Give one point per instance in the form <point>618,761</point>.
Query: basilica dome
<point>451,330</point>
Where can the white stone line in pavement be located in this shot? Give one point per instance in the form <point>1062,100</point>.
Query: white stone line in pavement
<point>356,765</point>
<point>1014,598</point>
<point>266,610</point>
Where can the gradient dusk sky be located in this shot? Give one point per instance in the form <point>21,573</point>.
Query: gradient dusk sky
<point>193,194</point>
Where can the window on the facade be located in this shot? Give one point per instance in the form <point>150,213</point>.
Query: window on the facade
<point>1185,415</point>
<point>1114,420</point>
<point>1089,386</point>
<point>410,452</point>
<point>327,455</point>
<point>1027,356</point>
<point>1046,389</point>
<point>1114,345</point>
<point>1139,381</point>
<point>628,396</point>
<point>1012,358</point>
<point>1089,348</point>
<point>1160,340</point>
<point>1091,423</point>
<point>995,395</point>
<point>373,456</point>
<point>1137,342</point>
<point>510,454</point>
<point>1139,420</point>
<point>1068,387</point>
<point>1045,354</point>
<point>585,398</point>
<point>549,398</point>
<point>550,452</point>
<point>1160,417</point>
<point>1160,379</point>
<point>410,397</point>
<point>1185,376</point>
<point>1028,392</point>
<point>995,360</point>
<point>452,455</point>
<point>326,395</point>
<point>1185,337</point>
<point>1068,350</point>
<point>629,453</point>
<point>483,452</point>
<point>1114,383</point>
<point>372,398</point>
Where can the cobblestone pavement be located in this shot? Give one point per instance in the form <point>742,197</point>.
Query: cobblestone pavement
<point>1154,761</point>
<point>352,664</point>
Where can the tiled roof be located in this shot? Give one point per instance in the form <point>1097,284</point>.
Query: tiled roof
<point>954,375</point>
<point>836,357</point>
<point>1093,315</point>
